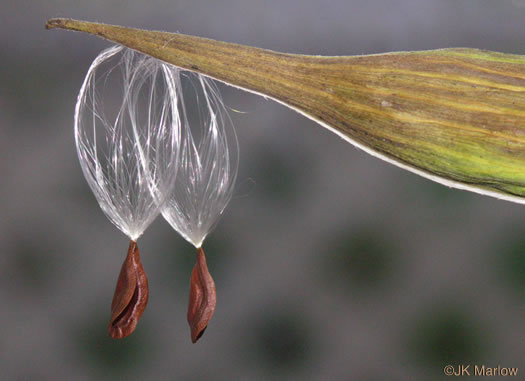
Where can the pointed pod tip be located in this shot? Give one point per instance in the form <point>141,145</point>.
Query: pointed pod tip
<point>71,24</point>
<point>55,23</point>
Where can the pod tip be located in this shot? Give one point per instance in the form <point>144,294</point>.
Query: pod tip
<point>55,23</point>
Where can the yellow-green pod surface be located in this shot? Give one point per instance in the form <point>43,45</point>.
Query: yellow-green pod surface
<point>456,116</point>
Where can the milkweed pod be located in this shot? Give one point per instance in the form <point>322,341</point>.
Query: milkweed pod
<point>455,116</point>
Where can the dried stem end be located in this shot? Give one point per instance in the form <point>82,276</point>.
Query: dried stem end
<point>202,297</point>
<point>131,295</point>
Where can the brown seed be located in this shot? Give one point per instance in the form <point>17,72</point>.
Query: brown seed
<point>131,295</point>
<point>202,297</point>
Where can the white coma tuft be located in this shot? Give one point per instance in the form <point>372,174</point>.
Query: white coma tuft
<point>127,132</point>
<point>208,162</point>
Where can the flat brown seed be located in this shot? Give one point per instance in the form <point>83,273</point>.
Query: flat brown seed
<point>131,295</point>
<point>203,297</point>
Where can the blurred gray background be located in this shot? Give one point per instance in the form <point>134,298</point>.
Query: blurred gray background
<point>329,263</point>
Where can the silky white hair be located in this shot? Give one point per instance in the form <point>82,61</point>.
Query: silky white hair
<point>208,162</point>
<point>127,133</point>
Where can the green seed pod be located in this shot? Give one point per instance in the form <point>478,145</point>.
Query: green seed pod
<point>455,116</point>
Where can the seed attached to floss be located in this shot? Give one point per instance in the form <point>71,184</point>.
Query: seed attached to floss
<point>204,186</point>
<point>127,133</point>
<point>131,154</point>
<point>131,295</point>
<point>203,297</point>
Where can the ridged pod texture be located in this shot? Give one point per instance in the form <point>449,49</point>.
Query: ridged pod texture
<point>456,116</point>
